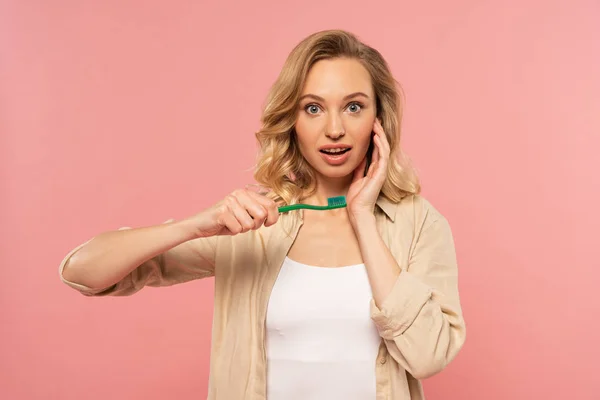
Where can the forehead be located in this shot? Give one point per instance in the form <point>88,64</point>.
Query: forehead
<point>337,77</point>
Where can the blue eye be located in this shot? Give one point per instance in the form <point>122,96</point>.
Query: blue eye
<point>354,107</point>
<point>312,109</point>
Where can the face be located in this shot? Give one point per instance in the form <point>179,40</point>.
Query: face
<point>335,117</point>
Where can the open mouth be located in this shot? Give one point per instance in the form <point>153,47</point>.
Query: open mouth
<point>334,152</point>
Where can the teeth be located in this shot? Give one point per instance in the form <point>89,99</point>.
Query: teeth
<point>333,150</point>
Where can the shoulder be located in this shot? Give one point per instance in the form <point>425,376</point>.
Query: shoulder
<point>416,210</point>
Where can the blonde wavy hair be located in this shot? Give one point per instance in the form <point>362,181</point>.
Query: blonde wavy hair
<point>280,166</point>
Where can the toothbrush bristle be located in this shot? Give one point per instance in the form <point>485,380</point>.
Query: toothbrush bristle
<point>336,201</point>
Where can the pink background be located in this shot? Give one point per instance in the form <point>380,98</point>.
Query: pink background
<point>129,113</point>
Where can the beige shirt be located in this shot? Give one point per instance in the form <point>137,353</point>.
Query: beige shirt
<point>420,322</point>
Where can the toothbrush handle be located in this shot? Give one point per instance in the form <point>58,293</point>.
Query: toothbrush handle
<point>292,207</point>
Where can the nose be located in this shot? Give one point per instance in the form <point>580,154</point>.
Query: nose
<point>335,127</point>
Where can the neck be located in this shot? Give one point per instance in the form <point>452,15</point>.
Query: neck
<point>327,188</point>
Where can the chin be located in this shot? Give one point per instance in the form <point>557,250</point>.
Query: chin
<point>336,172</point>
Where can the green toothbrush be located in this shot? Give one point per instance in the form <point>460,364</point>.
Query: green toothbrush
<point>332,202</point>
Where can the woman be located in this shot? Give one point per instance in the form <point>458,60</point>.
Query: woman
<point>353,303</point>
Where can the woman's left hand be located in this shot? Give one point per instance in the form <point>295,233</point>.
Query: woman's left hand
<point>365,189</point>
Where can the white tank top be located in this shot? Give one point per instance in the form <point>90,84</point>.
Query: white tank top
<point>321,342</point>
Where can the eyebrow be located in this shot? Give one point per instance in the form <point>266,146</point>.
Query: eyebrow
<point>350,96</point>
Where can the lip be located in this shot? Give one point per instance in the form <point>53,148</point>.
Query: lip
<point>335,146</point>
<point>336,159</point>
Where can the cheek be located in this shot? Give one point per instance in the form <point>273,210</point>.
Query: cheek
<point>363,132</point>
<point>307,132</point>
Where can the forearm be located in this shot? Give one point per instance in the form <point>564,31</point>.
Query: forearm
<point>382,268</point>
<point>110,256</point>
<point>417,311</point>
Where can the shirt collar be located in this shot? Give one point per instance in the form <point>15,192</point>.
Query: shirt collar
<point>387,207</point>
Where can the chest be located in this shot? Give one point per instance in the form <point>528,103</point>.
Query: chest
<point>323,297</point>
<point>326,242</point>
<point>321,315</point>
<point>320,340</point>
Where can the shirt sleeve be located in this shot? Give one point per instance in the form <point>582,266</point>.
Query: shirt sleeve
<point>421,319</point>
<point>194,259</point>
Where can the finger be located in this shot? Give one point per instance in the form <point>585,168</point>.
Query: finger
<point>376,150</point>
<point>377,159</point>
<point>231,223</point>
<point>371,170</point>
<point>269,205</point>
<point>257,188</point>
<point>386,147</point>
<point>254,208</point>
<point>377,127</point>
<point>385,144</point>
<point>381,169</point>
<point>374,157</point>
<point>380,129</point>
<point>241,214</point>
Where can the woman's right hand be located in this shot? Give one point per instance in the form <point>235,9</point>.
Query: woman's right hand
<point>241,211</point>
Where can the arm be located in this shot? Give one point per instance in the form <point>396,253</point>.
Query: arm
<point>123,262</point>
<point>416,308</point>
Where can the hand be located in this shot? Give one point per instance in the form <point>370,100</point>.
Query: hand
<point>365,189</point>
<point>241,211</point>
